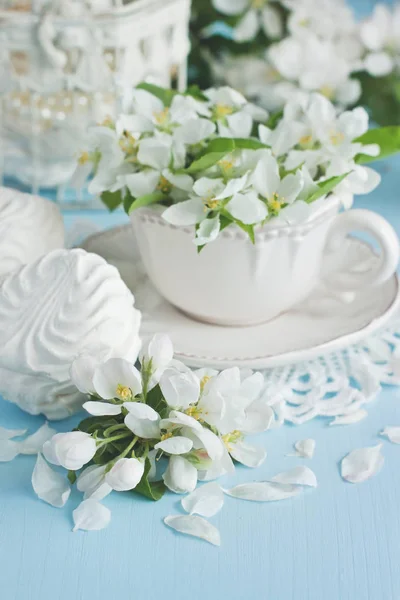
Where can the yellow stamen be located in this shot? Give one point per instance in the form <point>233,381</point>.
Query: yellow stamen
<point>194,412</point>
<point>225,165</point>
<point>222,110</point>
<point>164,185</point>
<point>107,122</point>
<point>123,392</point>
<point>166,436</point>
<point>212,204</point>
<point>306,140</point>
<point>128,143</point>
<point>258,3</point>
<point>232,438</point>
<point>327,91</point>
<point>162,116</point>
<point>84,158</point>
<point>204,382</point>
<point>336,137</point>
<point>304,22</point>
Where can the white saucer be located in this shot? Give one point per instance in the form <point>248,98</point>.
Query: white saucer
<point>320,325</point>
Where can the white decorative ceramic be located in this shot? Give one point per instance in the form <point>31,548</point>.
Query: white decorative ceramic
<point>52,310</point>
<point>30,226</point>
<point>318,326</point>
<point>234,282</point>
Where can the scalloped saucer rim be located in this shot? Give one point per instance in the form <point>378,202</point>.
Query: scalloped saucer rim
<point>319,326</point>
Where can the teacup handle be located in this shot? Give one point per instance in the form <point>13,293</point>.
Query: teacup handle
<point>376,226</point>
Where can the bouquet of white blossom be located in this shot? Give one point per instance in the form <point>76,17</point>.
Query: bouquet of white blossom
<point>269,48</point>
<point>214,160</point>
<point>164,426</point>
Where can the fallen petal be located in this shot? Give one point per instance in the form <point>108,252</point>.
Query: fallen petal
<point>195,526</point>
<point>100,409</point>
<point>91,516</point>
<point>206,500</point>
<point>305,448</point>
<point>354,417</point>
<point>8,450</point>
<point>34,443</point>
<point>263,491</point>
<point>7,434</point>
<point>393,433</point>
<point>297,476</point>
<point>361,464</point>
<point>50,486</point>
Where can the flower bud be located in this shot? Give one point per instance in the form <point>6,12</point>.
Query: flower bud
<point>125,474</point>
<point>71,450</point>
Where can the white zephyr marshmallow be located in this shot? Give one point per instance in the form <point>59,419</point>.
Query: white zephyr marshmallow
<point>30,227</point>
<point>65,304</point>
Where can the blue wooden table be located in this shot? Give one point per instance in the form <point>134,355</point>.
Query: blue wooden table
<point>338,542</point>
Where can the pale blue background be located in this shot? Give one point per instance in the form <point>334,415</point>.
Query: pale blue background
<point>338,542</point>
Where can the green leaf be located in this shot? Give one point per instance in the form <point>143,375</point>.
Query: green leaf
<point>132,204</point>
<point>249,229</point>
<point>217,149</point>
<point>248,144</point>
<point>156,400</point>
<point>165,95</point>
<point>206,161</point>
<point>72,477</point>
<point>195,91</point>
<point>274,119</point>
<point>388,138</point>
<point>153,490</point>
<point>325,187</point>
<point>111,199</point>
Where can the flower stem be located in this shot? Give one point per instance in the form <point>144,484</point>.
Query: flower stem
<point>105,441</point>
<point>127,449</point>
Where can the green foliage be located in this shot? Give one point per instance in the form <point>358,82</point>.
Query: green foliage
<point>325,187</point>
<point>165,95</point>
<point>111,199</point>
<point>217,149</point>
<point>156,400</point>
<point>388,138</point>
<point>382,97</point>
<point>132,204</point>
<point>152,490</point>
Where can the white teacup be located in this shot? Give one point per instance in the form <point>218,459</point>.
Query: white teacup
<point>233,282</point>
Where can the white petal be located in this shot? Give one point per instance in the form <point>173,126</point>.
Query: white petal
<point>142,183</point>
<point>180,389</point>
<point>50,454</point>
<point>82,371</point>
<point>178,419</point>
<point>305,448</point>
<point>8,450</point>
<point>125,474</point>
<point>393,433</point>
<point>194,131</point>
<point>91,481</point>
<point>34,443</point>
<point>208,231</point>
<point>160,350</point>
<point>234,186</point>
<point>208,188</point>
<point>100,409</point>
<point>146,104</point>
<point>379,64</point>
<point>133,124</point>
<point>266,178</point>
<point>91,516</point>
<point>262,491</point>
<point>247,208</point>
<point>206,500</point>
<point>8,434</point>
<point>195,526</point>
<point>239,124</point>
<point>50,486</point>
<point>290,187</point>
<point>353,417</point>
<point>185,213</point>
<point>206,439</point>
<point>175,445</point>
<point>361,464</point>
<point>146,427</point>
<point>297,476</point>
<point>154,153</point>
<point>272,22</point>
<point>230,7</point>
<point>180,476</point>
<point>114,372</point>
<point>180,181</point>
<point>247,27</point>
<point>251,456</point>
<point>142,411</point>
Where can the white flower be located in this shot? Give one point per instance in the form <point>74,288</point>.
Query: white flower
<point>180,386</point>
<point>267,182</point>
<point>380,34</point>
<point>115,378</point>
<point>257,15</point>
<point>233,113</point>
<point>106,141</point>
<point>71,450</point>
<point>125,474</point>
<point>157,357</point>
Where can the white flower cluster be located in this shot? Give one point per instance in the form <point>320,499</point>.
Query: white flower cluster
<point>197,156</point>
<point>188,424</point>
<point>318,46</point>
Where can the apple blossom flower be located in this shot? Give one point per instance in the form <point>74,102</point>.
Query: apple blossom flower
<point>380,34</point>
